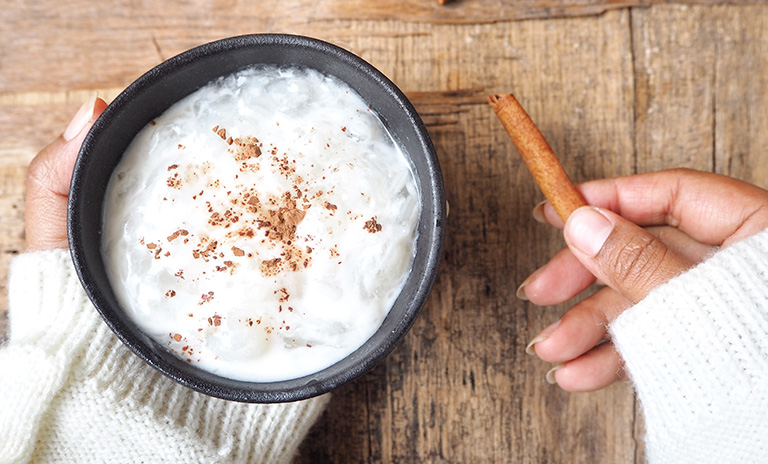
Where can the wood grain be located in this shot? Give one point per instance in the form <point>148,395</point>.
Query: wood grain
<point>614,90</point>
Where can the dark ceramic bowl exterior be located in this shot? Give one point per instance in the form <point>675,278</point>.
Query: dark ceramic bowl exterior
<point>154,92</point>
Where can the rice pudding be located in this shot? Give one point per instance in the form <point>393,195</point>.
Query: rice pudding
<point>262,227</point>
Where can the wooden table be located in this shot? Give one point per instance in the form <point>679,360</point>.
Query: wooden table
<point>617,87</point>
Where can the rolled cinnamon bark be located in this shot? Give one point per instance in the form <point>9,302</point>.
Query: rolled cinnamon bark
<point>538,156</point>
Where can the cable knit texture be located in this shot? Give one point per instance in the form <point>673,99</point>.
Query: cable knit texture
<point>697,351</point>
<point>71,392</point>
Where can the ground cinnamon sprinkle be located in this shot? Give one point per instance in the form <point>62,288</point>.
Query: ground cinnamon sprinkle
<point>372,226</point>
<point>284,221</point>
<point>249,147</point>
<point>205,298</point>
<point>270,219</point>
<point>174,181</point>
<point>283,295</point>
<point>176,234</point>
<point>270,267</point>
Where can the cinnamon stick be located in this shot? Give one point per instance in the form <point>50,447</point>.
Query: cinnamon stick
<point>538,156</point>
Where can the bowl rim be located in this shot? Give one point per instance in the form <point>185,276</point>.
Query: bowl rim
<point>270,392</point>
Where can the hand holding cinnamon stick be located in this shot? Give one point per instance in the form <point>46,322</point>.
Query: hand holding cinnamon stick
<point>538,156</point>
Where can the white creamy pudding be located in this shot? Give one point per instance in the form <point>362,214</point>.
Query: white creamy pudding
<point>262,227</point>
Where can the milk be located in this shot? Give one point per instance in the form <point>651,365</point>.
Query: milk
<point>262,227</point>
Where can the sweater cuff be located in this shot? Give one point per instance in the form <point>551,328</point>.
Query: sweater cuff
<point>46,301</point>
<point>49,311</point>
<point>696,347</point>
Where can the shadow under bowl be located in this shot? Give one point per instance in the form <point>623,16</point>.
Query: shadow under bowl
<point>157,90</point>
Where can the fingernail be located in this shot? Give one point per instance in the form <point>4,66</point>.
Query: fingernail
<point>543,335</point>
<point>521,290</point>
<point>81,119</point>
<point>551,375</point>
<point>538,212</point>
<point>587,230</point>
<point>520,293</point>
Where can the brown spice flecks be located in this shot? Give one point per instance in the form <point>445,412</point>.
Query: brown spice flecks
<point>215,320</point>
<point>246,232</point>
<point>175,235</point>
<point>156,250</point>
<point>248,147</point>
<point>170,293</point>
<point>284,220</point>
<point>205,298</point>
<point>252,201</point>
<point>177,337</point>
<point>372,226</point>
<point>180,274</point>
<point>282,295</point>
<point>208,252</point>
<point>273,220</point>
<point>270,267</point>
<point>174,181</point>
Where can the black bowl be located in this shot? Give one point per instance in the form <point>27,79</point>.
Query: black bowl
<point>153,93</point>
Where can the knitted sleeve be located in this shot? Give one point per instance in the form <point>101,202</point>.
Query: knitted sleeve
<point>696,350</point>
<point>71,392</point>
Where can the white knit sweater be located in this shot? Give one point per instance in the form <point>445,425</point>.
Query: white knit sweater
<point>697,351</point>
<point>71,392</point>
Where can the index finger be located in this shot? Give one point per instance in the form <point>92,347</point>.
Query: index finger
<point>710,208</point>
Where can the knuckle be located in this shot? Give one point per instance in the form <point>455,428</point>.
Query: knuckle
<point>39,173</point>
<point>637,259</point>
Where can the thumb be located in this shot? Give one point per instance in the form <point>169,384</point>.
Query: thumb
<point>619,253</point>
<point>48,181</point>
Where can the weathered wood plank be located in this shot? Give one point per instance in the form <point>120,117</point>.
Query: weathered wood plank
<point>674,72</point>
<point>702,93</point>
<point>52,37</point>
<point>741,94</point>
